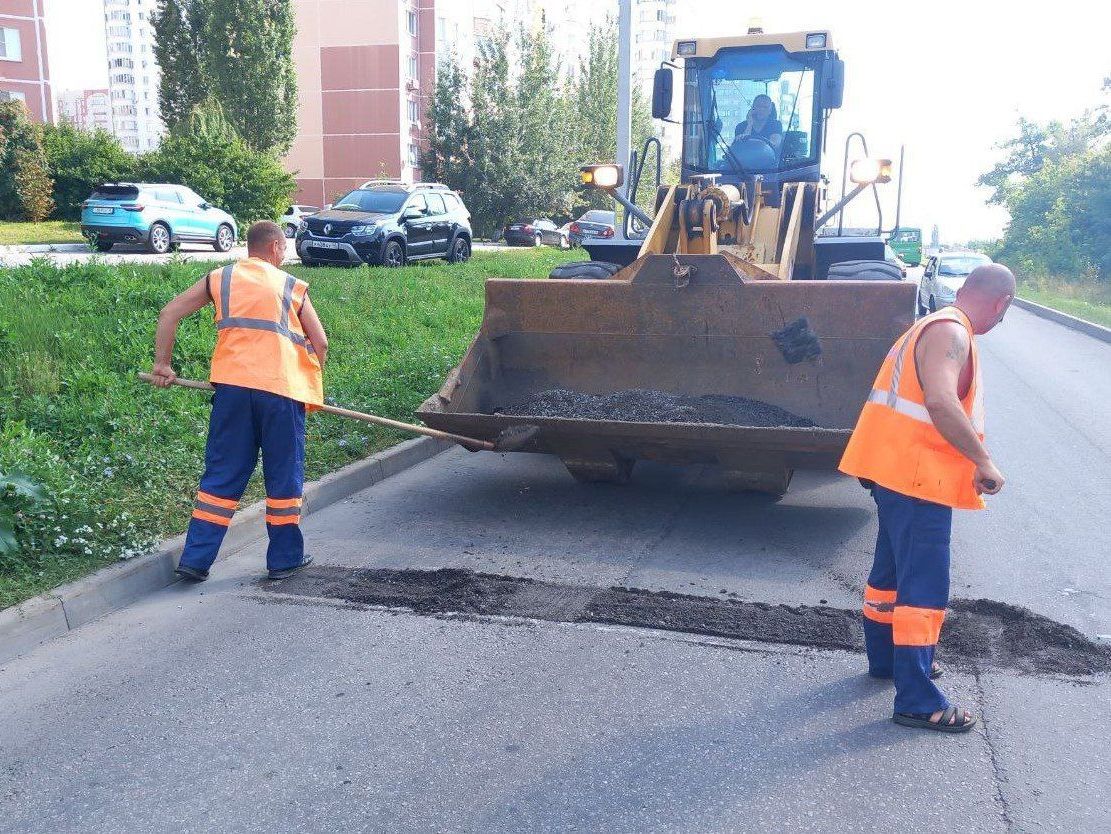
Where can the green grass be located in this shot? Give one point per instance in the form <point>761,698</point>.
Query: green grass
<point>121,460</point>
<point>49,231</point>
<point>1087,301</point>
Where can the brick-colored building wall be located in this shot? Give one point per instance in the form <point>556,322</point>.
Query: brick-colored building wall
<point>29,76</point>
<point>353,61</point>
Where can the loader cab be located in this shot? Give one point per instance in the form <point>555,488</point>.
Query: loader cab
<point>723,78</point>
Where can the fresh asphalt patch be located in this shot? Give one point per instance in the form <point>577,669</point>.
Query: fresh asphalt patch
<point>976,633</point>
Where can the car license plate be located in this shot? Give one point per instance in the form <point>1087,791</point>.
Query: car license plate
<point>514,228</point>
<point>323,244</point>
<point>102,210</point>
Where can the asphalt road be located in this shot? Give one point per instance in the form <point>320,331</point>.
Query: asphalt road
<point>228,707</point>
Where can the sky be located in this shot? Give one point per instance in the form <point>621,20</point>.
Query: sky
<point>946,80</point>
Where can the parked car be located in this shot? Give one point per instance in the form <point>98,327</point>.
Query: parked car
<point>536,232</point>
<point>594,223</point>
<point>293,217</point>
<point>943,276</point>
<point>388,223</point>
<point>158,216</point>
<point>893,259</point>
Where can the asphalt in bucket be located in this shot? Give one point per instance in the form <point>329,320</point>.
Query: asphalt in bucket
<point>641,405</point>
<point>977,633</point>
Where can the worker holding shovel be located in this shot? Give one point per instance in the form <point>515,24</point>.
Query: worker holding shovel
<point>266,368</point>
<point>919,445</point>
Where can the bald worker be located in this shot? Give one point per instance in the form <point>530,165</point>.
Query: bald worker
<point>267,369</point>
<point>919,447</point>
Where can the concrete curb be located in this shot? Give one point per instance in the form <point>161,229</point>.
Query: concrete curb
<point>1097,331</point>
<point>41,248</point>
<point>25,626</point>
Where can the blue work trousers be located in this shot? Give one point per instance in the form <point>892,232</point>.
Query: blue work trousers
<point>243,422</point>
<point>908,590</point>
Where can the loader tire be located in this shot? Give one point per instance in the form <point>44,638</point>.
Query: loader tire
<point>864,271</point>
<point>590,270</point>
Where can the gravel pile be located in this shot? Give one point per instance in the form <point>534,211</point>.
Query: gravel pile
<point>645,406</point>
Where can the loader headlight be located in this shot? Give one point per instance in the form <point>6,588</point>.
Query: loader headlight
<point>686,48</point>
<point>867,171</point>
<point>817,40</point>
<point>602,176</point>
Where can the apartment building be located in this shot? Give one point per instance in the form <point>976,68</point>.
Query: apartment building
<point>86,109</point>
<point>366,72</point>
<point>132,73</point>
<point>24,69</point>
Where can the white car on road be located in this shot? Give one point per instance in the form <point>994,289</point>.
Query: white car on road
<point>943,276</point>
<point>293,217</point>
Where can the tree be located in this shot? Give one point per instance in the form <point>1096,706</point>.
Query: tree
<point>593,111</point>
<point>248,65</point>
<point>25,183</point>
<point>1038,144</point>
<point>178,26</point>
<point>80,161</point>
<point>251,185</point>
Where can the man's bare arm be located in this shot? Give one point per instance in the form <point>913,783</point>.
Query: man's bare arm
<point>182,306</point>
<point>314,330</point>
<point>940,354</point>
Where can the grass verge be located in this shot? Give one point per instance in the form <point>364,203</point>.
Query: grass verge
<point>120,460</point>
<point>1090,302</point>
<point>49,231</point>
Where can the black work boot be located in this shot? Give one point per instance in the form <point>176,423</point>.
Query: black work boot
<point>192,574</point>
<point>287,572</point>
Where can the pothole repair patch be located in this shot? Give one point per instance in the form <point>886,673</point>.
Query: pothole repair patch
<point>976,633</point>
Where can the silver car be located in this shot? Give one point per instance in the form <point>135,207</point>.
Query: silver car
<point>943,276</point>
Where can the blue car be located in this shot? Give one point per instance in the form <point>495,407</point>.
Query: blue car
<point>157,216</point>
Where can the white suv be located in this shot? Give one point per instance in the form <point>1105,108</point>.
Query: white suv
<point>293,216</point>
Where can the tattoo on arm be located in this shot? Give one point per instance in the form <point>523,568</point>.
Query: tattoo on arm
<point>958,348</point>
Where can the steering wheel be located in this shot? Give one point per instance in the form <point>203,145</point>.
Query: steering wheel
<point>754,152</point>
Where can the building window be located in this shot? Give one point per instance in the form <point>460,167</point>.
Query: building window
<point>414,112</point>
<point>413,67</point>
<point>10,47</point>
<point>414,154</point>
<point>412,23</point>
<point>12,95</point>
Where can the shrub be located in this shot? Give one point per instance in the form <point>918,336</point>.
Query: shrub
<point>249,184</point>
<point>25,183</point>
<point>33,184</point>
<point>80,161</point>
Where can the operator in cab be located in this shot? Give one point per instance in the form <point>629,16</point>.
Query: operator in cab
<point>762,122</point>
<point>919,446</point>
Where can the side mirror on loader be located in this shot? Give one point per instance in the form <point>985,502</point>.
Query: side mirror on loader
<point>833,84</point>
<point>663,86</point>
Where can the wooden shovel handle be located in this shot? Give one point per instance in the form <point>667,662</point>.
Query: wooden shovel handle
<point>467,442</point>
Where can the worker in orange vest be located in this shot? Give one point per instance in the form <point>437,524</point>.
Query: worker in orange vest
<point>267,369</point>
<point>919,447</point>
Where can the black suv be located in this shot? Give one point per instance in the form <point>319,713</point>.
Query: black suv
<point>388,223</point>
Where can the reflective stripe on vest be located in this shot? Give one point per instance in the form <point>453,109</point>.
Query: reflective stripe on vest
<point>279,327</point>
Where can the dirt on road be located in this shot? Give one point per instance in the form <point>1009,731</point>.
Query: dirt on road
<point>977,632</point>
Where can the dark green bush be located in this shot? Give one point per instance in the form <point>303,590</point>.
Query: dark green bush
<point>80,161</point>
<point>248,184</point>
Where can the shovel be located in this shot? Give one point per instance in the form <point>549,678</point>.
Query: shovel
<point>511,439</point>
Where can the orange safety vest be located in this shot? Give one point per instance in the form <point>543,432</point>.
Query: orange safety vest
<point>895,443</point>
<point>260,343</point>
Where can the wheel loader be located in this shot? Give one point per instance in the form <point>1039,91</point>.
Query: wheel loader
<point>738,284</point>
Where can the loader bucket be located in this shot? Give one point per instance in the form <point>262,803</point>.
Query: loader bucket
<point>706,333</point>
